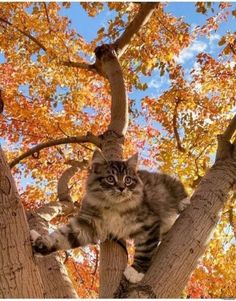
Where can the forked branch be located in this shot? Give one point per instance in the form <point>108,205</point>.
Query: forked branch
<point>121,44</point>
<point>65,206</point>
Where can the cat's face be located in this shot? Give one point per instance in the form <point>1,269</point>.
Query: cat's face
<point>115,181</point>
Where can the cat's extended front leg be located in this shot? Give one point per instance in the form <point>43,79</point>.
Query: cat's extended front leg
<point>78,232</point>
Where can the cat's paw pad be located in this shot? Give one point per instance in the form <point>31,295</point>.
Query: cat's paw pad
<point>132,275</point>
<point>39,243</point>
<point>183,204</point>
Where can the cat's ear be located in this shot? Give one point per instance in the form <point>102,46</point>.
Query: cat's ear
<point>98,157</point>
<point>133,161</point>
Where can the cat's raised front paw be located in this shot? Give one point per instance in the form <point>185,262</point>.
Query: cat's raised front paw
<point>132,275</point>
<point>183,204</point>
<point>39,243</point>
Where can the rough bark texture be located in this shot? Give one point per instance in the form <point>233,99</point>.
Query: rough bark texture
<point>56,281</point>
<point>113,260</point>
<point>19,276</point>
<point>188,239</point>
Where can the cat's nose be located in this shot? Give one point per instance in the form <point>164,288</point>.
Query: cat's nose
<point>121,188</point>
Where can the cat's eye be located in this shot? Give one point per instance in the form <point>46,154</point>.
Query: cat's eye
<point>110,179</point>
<point>128,180</point>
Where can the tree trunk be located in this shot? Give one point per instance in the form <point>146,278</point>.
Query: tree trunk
<point>188,239</point>
<point>19,275</point>
<point>56,281</point>
<point>114,260</point>
<point>178,254</point>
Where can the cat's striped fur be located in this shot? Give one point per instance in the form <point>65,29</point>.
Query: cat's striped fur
<point>120,203</point>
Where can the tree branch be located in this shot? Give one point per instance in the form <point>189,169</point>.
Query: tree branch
<point>110,66</point>
<point>77,139</point>
<point>28,35</point>
<point>62,186</point>
<point>225,148</point>
<point>39,221</point>
<point>228,134</point>
<point>65,206</point>
<point>175,127</point>
<point>177,255</point>
<point>36,41</point>
<point>113,257</point>
<point>84,66</point>
<point>1,102</point>
<point>230,212</point>
<point>46,12</point>
<point>121,44</point>
<point>145,12</point>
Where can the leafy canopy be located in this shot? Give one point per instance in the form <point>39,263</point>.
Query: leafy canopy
<point>174,131</point>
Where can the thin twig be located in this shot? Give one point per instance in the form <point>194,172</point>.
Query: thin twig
<point>77,139</point>
<point>28,35</point>
<point>46,11</point>
<point>175,126</point>
<point>63,132</point>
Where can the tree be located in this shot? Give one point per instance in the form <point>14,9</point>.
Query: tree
<point>47,127</point>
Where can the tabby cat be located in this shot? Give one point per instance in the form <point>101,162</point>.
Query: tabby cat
<point>120,203</point>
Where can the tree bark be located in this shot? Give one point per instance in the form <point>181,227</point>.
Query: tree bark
<point>53,273</point>
<point>56,281</point>
<point>178,254</point>
<point>113,257</point>
<point>19,275</point>
<point>113,260</point>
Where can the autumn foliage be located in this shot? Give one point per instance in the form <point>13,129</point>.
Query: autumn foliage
<point>49,93</point>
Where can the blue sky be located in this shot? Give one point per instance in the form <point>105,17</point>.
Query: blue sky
<point>88,27</point>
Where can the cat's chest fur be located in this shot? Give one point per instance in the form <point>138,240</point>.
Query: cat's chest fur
<point>113,223</point>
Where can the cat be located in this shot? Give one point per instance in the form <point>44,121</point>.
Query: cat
<point>122,203</point>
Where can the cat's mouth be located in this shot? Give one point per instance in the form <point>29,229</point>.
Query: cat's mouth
<point>117,197</point>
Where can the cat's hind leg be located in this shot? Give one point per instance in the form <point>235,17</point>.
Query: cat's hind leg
<point>146,242</point>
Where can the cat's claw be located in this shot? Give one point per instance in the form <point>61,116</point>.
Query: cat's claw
<point>34,235</point>
<point>132,275</point>
<point>184,204</point>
